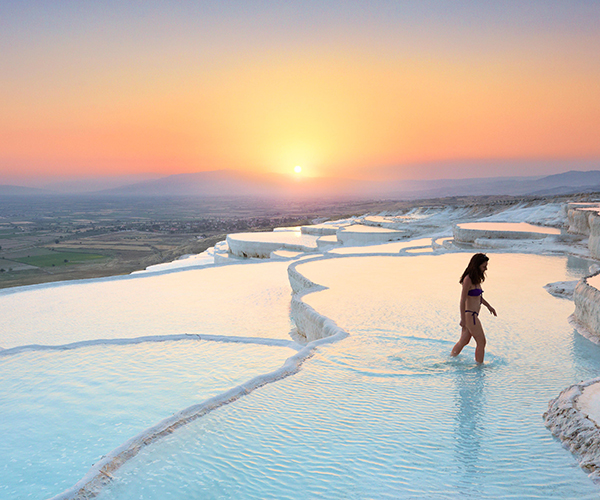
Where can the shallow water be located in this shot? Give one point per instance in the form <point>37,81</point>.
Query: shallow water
<point>594,282</point>
<point>386,413</point>
<point>63,410</point>
<point>197,301</point>
<point>393,248</point>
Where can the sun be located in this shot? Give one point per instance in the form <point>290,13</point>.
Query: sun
<point>297,169</point>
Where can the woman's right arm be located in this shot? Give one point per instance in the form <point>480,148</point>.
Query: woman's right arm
<point>466,285</point>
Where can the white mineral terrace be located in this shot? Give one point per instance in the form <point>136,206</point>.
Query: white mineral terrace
<point>391,247</point>
<point>262,244</point>
<point>327,242</point>
<point>391,222</point>
<point>587,307</point>
<point>321,229</point>
<point>589,402</point>
<point>359,234</point>
<point>469,232</point>
<point>578,215</point>
<point>573,416</point>
<point>584,219</point>
<point>594,239</point>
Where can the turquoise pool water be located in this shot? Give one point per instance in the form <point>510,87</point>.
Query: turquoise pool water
<point>63,410</point>
<point>386,413</point>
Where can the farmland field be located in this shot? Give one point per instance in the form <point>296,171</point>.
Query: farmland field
<point>51,258</point>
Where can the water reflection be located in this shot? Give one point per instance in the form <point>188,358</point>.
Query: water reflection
<point>470,405</point>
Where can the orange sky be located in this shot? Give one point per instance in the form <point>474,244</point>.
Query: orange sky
<point>165,93</point>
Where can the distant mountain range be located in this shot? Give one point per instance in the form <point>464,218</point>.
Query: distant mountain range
<point>232,183</point>
<point>573,181</point>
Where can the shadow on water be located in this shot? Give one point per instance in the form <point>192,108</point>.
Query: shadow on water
<point>470,408</point>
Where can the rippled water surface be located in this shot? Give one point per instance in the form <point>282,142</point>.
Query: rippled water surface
<point>63,410</point>
<point>386,413</point>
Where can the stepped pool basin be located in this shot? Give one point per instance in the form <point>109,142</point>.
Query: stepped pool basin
<point>383,413</point>
<point>198,301</point>
<point>63,410</point>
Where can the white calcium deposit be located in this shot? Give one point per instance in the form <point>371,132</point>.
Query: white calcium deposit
<point>535,226</point>
<point>573,418</point>
<point>321,229</point>
<point>469,232</point>
<point>594,239</point>
<point>584,219</point>
<point>262,244</point>
<point>587,307</point>
<point>563,289</point>
<point>578,221</point>
<point>359,234</point>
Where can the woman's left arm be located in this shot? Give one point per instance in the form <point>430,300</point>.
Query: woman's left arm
<point>490,308</point>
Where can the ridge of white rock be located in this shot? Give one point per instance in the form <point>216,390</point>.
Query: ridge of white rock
<point>285,255</point>
<point>472,231</point>
<point>321,229</point>
<point>388,221</point>
<point>228,258</point>
<point>579,221</point>
<point>584,219</point>
<point>299,282</point>
<point>594,239</point>
<point>261,245</point>
<point>587,307</point>
<point>359,234</point>
<point>562,289</point>
<point>310,325</point>
<point>325,243</point>
<point>99,474</point>
<point>571,423</point>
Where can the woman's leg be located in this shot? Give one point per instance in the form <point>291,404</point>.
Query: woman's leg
<point>476,332</point>
<point>465,338</point>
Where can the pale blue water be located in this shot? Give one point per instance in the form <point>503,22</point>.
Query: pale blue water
<point>384,413</point>
<point>63,410</point>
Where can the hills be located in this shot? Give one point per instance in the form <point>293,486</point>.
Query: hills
<point>231,183</point>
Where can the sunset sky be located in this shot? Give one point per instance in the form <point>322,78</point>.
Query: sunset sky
<point>372,90</point>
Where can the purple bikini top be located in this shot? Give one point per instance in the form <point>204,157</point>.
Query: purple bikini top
<point>476,292</point>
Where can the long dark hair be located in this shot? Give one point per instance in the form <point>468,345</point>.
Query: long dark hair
<point>473,270</point>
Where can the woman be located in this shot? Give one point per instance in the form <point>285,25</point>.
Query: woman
<point>471,300</point>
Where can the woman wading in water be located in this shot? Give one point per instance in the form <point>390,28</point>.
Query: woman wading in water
<point>471,300</point>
